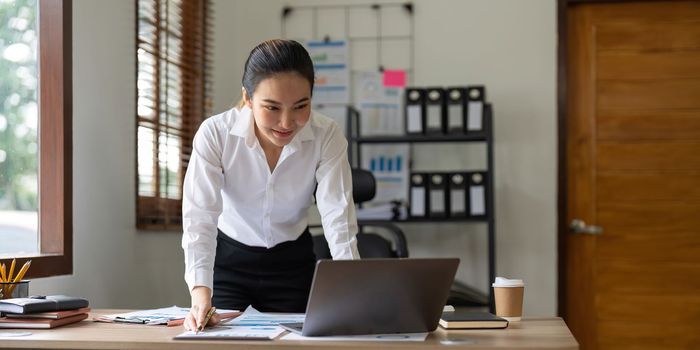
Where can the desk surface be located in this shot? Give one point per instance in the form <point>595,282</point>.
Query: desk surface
<point>531,333</point>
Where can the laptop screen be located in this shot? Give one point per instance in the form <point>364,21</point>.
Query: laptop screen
<point>378,296</point>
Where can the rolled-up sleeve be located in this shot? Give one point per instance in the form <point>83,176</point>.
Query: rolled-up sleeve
<point>334,197</point>
<point>201,206</point>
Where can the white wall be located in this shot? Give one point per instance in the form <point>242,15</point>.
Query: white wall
<point>508,45</point>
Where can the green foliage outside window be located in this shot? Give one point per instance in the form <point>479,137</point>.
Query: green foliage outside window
<point>19,114</point>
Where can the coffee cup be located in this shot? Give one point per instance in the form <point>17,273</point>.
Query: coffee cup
<point>508,294</point>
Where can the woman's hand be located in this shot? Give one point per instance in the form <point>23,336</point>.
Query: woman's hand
<point>201,303</point>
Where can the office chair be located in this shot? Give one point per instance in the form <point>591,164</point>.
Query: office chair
<point>370,245</point>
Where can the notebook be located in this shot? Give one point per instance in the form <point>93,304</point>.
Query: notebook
<point>52,314</point>
<point>39,323</point>
<point>376,296</point>
<point>41,304</point>
<point>464,319</point>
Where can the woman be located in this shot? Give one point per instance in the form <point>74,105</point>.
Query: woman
<point>249,183</point>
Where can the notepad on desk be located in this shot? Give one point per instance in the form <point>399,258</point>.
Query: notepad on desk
<point>471,320</point>
<point>41,304</point>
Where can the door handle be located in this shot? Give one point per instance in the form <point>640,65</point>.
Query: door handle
<point>579,226</point>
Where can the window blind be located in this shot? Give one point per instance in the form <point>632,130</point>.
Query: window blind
<point>173,97</point>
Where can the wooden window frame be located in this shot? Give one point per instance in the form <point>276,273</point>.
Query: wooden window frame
<point>55,256</point>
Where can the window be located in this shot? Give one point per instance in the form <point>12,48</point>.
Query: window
<point>35,135</point>
<point>172,100</point>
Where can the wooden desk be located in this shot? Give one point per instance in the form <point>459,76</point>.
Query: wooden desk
<point>531,333</point>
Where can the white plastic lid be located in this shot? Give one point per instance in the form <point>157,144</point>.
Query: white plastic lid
<point>505,282</point>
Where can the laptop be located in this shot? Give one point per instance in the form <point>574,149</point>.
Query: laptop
<point>376,296</point>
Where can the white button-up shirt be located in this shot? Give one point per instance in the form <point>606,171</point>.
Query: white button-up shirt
<point>229,184</point>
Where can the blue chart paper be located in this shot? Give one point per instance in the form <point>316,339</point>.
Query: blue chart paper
<point>380,107</point>
<point>389,165</point>
<point>252,317</point>
<point>330,59</point>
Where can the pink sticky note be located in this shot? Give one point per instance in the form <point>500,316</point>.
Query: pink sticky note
<point>394,78</point>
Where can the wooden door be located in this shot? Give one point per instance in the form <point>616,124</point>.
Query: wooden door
<point>633,169</point>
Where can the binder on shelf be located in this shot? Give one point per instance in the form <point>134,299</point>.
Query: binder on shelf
<point>458,195</point>
<point>456,107</point>
<point>477,194</point>
<point>436,111</point>
<point>438,201</point>
<point>476,95</point>
<point>415,111</point>
<point>418,195</point>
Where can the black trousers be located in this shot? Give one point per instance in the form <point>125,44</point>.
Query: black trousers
<point>277,279</point>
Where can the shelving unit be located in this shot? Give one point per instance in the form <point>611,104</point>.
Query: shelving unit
<point>484,136</point>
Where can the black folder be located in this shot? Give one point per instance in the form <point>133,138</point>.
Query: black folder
<point>418,195</point>
<point>435,111</point>
<point>477,194</point>
<point>458,195</point>
<point>414,112</point>
<point>439,196</point>
<point>476,95</point>
<point>456,109</point>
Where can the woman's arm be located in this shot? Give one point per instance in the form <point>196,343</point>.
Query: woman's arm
<point>201,207</point>
<point>334,196</point>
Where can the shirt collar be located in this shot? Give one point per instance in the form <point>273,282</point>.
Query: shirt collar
<point>243,127</point>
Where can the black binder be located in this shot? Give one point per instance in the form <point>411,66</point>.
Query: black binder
<point>476,95</point>
<point>439,196</point>
<point>456,109</point>
<point>477,194</point>
<point>414,112</point>
<point>436,111</point>
<point>458,195</point>
<point>418,195</point>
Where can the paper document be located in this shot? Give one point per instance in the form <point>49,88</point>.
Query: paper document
<point>152,317</point>
<point>332,83</point>
<point>252,317</point>
<point>251,325</point>
<point>373,337</point>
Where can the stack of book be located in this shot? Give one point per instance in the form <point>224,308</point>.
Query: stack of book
<point>39,312</point>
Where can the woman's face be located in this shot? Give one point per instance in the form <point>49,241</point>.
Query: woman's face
<point>281,106</point>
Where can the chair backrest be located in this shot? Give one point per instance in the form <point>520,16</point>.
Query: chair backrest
<point>370,245</point>
<point>364,187</point>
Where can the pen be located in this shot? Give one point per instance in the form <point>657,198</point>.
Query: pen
<point>225,316</point>
<point>129,320</point>
<point>206,320</point>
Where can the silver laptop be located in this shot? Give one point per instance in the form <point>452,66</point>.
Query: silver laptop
<point>376,296</point>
